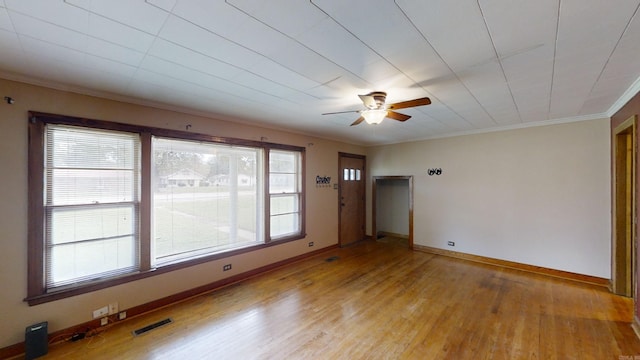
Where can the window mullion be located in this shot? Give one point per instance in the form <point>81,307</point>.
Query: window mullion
<point>267,197</point>
<point>35,270</point>
<point>145,251</point>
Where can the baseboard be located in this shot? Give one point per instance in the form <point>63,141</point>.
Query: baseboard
<point>636,325</point>
<point>593,280</point>
<point>390,234</point>
<point>61,335</point>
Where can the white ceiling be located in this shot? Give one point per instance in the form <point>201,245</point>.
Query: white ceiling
<point>485,64</point>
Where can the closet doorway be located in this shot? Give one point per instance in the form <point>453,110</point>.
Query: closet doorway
<point>392,210</point>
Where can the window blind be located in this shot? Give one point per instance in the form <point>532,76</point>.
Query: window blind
<point>92,194</point>
<point>285,184</point>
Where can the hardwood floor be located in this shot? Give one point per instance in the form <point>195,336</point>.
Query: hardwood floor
<point>379,300</point>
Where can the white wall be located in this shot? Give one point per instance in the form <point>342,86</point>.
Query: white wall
<point>538,196</point>
<point>392,208</point>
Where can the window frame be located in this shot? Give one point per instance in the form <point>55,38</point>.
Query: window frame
<point>300,192</point>
<point>36,261</point>
<point>81,205</point>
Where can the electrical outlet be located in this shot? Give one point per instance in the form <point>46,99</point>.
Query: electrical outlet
<point>113,308</point>
<point>103,311</point>
<point>104,321</point>
<point>122,315</point>
<point>310,243</point>
<point>451,243</point>
<point>226,267</point>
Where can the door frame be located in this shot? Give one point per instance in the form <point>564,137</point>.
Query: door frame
<point>340,189</point>
<point>374,230</point>
<point>624,222</point>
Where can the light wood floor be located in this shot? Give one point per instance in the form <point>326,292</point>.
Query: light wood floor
<point>380,300</point>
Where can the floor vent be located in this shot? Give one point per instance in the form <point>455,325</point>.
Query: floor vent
<point>150,327</point>
<point>333,258</point>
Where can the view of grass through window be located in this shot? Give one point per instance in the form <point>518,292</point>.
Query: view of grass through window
<point>206,198</point>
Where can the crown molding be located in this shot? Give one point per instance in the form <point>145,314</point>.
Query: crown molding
<point>624,99</point>
<point>523,125</point>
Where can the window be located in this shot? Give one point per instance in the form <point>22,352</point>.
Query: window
<point>351,174</point>
<point>91,201</point>
<point>206,198</point>
<point>285,195</point>
<point>111,202</point>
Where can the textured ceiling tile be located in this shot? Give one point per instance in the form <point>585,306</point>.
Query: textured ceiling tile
<point>202,41</point>
<point>168,85</point>
<point>523,34</point>
<point>289,17</point>
<point>117,33</point>
<point>233,25</point>
<point>136,14</point>
<point>5,21</point>
<point>55,12</point>
<point>109,66</point>
<point>459,45</point>
<point>45,50</point>
<point>12,58</point>
<point>113,52</point>
<point>278,75</point>
<point>247,91</point>
<point>333,42</point>
<point>48,32</point>
<point>166,5</point>
<point>586,38</point>
<point>371,24</point>
<point>9,41</point>
<point>187,57</point>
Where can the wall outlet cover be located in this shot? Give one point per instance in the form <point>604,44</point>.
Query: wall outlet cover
<point>103,311</point>
<point>113,308</point>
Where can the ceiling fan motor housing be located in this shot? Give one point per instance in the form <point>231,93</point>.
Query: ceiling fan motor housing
<point>379,97</point>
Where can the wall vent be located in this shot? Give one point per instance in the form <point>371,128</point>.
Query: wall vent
<point>150,327</point>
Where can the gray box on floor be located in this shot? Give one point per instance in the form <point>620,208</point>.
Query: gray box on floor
<point>36,342</point>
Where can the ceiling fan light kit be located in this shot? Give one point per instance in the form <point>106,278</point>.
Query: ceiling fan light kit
<point>375,116</point>
<point>375,109</point>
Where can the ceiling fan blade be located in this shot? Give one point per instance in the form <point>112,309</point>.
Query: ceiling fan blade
<point>397,116</point>
<point>342,112</point>
<point>360,119</point>
<point>409,103</point>
<point>369,101</point>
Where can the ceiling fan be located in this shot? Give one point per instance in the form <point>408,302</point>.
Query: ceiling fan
<point>376,109</point>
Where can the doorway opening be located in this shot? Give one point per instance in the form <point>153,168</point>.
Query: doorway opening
<point>624,242</point>
<point>392,210</point>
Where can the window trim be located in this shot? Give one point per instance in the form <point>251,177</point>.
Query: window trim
<point>36,275</point>
<point>300,192</point>
<point>51,206</point>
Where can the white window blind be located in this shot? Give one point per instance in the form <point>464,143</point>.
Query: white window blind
<point>92,194</point>
<point>285,183</point>
<point>207,198</point>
